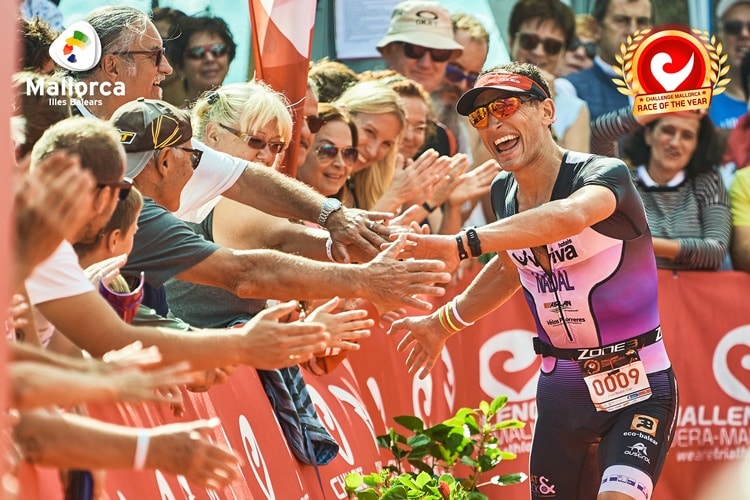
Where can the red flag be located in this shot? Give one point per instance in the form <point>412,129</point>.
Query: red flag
<point>282,33</point>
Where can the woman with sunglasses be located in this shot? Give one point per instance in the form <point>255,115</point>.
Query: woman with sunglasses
<point>202,54</point>
<point>374,183</point>
<point>333,154</point>
<point>540,31</point>
<point>252,121</point>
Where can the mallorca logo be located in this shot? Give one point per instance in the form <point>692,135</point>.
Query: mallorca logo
<point>78,48</point>
<point>671,69</point>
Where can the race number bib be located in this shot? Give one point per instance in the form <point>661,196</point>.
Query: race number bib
<point>615,381</point>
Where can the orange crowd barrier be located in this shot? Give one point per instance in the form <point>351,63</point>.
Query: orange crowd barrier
<point>706,328</point>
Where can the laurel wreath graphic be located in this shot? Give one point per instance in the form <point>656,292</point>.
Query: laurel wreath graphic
<point>627,85</point>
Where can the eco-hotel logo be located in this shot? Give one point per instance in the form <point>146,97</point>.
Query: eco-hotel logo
<point>670,69</point>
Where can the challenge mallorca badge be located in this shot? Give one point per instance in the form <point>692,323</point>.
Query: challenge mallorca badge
<point>671,69</point>
<point>78,48</point>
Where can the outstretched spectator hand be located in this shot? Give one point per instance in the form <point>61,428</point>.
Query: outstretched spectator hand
<point>50,202</point>
<point>416,181</point>
<point>37,384</point>
<point>411,278</point>
<point>74,441</point>
<point>272,344</point>
<point>344,327</point>
<point>352,226</point>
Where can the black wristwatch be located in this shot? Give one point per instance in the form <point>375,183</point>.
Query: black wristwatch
<point>473,239</point>
<point>329,206</point>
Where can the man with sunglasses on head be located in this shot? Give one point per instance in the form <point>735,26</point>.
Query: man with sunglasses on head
<point>133,52</point>
<point>616,19</point>
<point>572,235</point>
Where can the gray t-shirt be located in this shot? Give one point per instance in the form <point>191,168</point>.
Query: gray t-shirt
<point>208,306</point>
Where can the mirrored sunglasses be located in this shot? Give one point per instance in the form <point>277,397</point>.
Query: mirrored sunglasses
<point>157,54</point>
<point>195,155</point>
<point>589,47</point>
<point>256,142</point>
<point>329,152</point>
<point>199,51</point>
<point>124,186</point>
<point>530,41</point>
<point>417,51</point>
<point>456,75</point>
<point>501,108</point>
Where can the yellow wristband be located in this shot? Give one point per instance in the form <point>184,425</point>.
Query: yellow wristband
<point>448,317</point>
<point>442,321</point>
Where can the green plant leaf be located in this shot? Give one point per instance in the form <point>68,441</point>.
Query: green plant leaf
<point>367,495</point>
<point>420,465</point>
<point>466,460</point>
<point>397,492</point>
<point>423,478</point>
<point>509,424</point>
<point>418,440</point>
<point>507,479</point>
<point>475,495</point>
<point>498,403</point>
<point>353,481</point>
<point>410,422</point>
<point>472,424</point>
<point>484,407</point>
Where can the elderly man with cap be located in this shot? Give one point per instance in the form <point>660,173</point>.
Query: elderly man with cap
<point>572,234</point>
<point>156,137</point>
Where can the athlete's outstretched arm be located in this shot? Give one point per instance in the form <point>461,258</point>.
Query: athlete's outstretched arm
<point>426,335</point>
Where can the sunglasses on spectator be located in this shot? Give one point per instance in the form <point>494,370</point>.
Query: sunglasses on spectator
<point>329,152</point>
<point>589,47</point>
<point>314,122</point>
<point>501,108</point>
<point>157,54</point>
<point>417,51</point>
<point>256,142</point>
<point>735,26</point>
<point>530,41</point>
<point>199,51</point>
<point>195,155</point>
<point>124,186</point>
<point>456,75</point>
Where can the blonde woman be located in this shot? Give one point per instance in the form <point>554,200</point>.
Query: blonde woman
<point>250,121</point>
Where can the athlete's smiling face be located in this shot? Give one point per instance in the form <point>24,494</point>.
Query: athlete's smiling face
<point>511,139</point>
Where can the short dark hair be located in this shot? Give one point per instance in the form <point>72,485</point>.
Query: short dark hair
<point>543,10</point>
<point>329,113</point>
<point>204,24</point>
<point>706,157</point>
<point>125,214</point>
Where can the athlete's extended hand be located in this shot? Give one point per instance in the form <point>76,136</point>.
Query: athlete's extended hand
<point>424,341</point>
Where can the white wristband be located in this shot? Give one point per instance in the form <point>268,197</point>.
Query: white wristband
<point>141,449</point>
<point>329,249</point>
<point>454,303</point>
